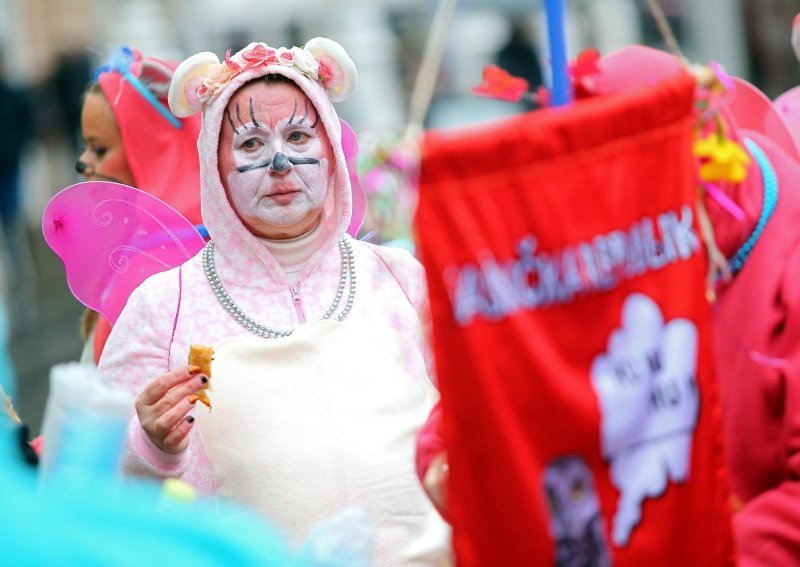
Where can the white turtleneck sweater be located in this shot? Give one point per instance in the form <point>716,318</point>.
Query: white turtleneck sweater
<point>293,253</point>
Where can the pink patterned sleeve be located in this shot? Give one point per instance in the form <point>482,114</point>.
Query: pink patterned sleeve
<point>137,352</point>
<point>418,293</point>
<point>410,275</point>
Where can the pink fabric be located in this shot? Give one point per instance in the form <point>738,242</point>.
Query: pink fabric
<point>148,340</point>
<point>429,442</point>
<point>163,159</point>
<point>757,323</point>
<point>170,464</point>
<point>101,331</point>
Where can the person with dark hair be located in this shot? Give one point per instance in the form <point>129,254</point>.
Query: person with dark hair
<point>519,57</point>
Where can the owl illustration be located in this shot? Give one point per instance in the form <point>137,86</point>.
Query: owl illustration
<point>576,524</point>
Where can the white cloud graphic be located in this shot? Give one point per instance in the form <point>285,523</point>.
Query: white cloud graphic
<point>646,385</point>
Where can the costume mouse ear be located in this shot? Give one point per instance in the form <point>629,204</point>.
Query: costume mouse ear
<point>188,78</point>
<point>156,75</point>
<point>337,72</point>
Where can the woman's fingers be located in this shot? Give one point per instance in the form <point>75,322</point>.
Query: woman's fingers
<point>181,392</point>
<point>156,389</point>
<point>178,438</point>
<point>163,405</point>
<point>163,424</point>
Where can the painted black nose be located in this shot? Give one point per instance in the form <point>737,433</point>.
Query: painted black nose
<point>80,167</point>
<point>280,163</point>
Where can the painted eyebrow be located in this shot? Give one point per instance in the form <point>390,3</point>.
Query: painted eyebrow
<point>239,116</point>
<point>253,114</point>
<point>305,115</point>
<point>293,111</point>
<point>228,114</point>
<point>316,120</point>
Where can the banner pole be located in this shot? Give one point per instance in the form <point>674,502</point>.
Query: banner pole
<point>561,90</point>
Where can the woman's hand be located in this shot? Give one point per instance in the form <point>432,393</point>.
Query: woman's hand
<point>435,482</point>
<point>163,407</point>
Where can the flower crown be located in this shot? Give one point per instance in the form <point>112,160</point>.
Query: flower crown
<point>202,77</point>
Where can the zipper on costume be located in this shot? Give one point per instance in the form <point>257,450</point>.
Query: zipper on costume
<point>295,291</point>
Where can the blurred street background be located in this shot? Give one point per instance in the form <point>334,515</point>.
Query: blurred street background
<point>50,48</point>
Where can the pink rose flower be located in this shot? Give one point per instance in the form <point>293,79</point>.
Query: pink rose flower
<point>285,56</point>
<point>259,55</point>
<point>232,65</point>
<point>324,72</point>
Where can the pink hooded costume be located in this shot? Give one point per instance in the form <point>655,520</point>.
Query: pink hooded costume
<point>307,424</point>
<point>161,157</point>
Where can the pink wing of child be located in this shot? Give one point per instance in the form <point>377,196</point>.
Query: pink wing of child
<point>112,237</point>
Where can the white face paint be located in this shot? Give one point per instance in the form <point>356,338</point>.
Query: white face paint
<point>275,159</point>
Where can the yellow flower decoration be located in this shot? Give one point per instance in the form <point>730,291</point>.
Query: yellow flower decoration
<point>725,160</point>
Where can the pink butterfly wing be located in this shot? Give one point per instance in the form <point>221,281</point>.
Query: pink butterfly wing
<point>111,238</point>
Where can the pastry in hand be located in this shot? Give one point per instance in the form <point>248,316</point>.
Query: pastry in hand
<point>201,356</point>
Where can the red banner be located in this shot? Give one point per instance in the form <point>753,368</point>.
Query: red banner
<point>571,331</point>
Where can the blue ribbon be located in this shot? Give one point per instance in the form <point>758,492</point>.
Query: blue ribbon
<point>769,180</point>
<point>120,61</point>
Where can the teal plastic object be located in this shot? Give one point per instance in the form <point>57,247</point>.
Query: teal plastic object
<point>93,518</point>
<point>130,525</point>
<point>68,523</point>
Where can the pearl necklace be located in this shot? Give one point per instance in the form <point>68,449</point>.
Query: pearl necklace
<point>347,272</point>
<point>769,180</point>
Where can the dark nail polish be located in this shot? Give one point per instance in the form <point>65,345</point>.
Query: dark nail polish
<point>190,419</point>
<point>203,379</point>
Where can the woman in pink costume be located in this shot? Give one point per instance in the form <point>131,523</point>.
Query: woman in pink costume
<point>319,372</point>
